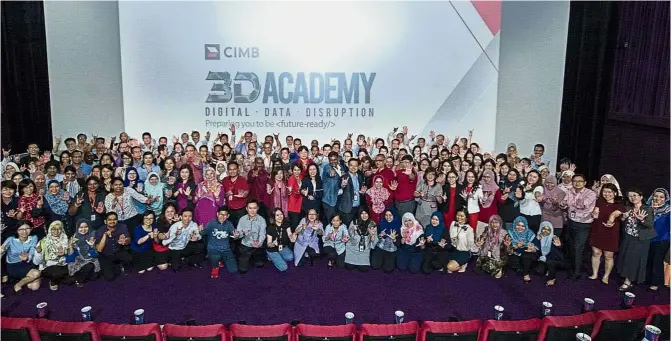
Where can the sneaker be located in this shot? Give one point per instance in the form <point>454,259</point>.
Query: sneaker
<point>463,268</point>
<point>214,273</point>
<point>53,287</point>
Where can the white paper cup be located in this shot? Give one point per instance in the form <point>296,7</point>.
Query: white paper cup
<point>399,316</point>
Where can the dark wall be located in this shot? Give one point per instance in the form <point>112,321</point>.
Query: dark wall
<point>615,115</point>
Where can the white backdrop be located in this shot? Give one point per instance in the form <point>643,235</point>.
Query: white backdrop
<point>407,61</point>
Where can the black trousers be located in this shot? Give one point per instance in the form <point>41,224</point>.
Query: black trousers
<point>576,236</point>
<point>143,260</point>
<point>55,273</point>
<point>250,254</point>
<point>110,266</point>
<point>308,252</point>
<point>384,260</point>
<point>523,262</point>
<point>534,222</point>
<point>549,268</point>
<point>362,268</point>
<point>193,253</point>
<point>327,213</point>
<point>333,256</point>
<point>85,273</point>
<point>655,271</point>
<point>294,219</point>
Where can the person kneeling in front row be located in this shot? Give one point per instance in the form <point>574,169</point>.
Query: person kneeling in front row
<point>112,242</point>
<point>278,238</point>
<point>219,231</point>
<point>183,240</point>
<point>252,229</point>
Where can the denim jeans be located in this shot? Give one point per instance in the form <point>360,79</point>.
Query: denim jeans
<point>281,258</point>
<point>226,256</point>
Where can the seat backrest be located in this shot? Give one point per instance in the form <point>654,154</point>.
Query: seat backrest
<point>19,329</point>
<point>399,332</point>
<point>310,332</point>
<point>557,328</point>
<point>50,330</point>
<point>130,332</point>
<point>621,325</point>
<point>659,317</point>
<point>452,331</point>
<point>215,332</point>
<point>278,332</point>
<point>524,330</point>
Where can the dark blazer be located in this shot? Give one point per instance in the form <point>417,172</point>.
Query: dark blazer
<point>317,193</point>
<point>345,199</point>
<point>646,228</point>
<point>459,202</point>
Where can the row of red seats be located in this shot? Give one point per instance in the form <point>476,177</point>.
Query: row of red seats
<point>606,325</point>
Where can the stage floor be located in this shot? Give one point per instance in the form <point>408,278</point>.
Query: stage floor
<point>316,295</point>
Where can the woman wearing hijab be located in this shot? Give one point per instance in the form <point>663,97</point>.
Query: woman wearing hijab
<point>639,229</point>
<point>208,197</point>
<point>154,188</point>
<point>389,230</point>
<point>362,239</point>
<point>50,255</point>
<point>9,170</point>
<point>492,196</point>
<point>306,236</point>
<point>552,196</point>
<point>437,243</point>
<point>606,179</point>
<point>494,248</point>
<point>410,252</point>
<point>566,180</point>
<point>659,246</point>
<point>524,250</point>
<point>550,256</point>
<point>604,236</point>
<point>311,189</point>
<point>452,200</point>
<point>378,198</point>
<point>82,257</point>
<point>463,241</point>
<point>55,205</point>
<point>335,241</point>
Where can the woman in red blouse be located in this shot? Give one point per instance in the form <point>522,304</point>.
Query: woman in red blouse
<point>295,196</point>
<point>28,201</point>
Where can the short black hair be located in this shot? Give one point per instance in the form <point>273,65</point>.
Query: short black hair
<point>9,184</point>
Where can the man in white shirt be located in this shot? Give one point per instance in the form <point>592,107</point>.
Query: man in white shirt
<point>183,240</point>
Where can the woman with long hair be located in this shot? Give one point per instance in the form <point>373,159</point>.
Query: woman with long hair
<point>278,192</point>
<point>295,196</point>
<point>29,200</point>
<point>463,243</point>
<point>530,195</point>
<point>185,189</point>
<point>278,239</point>
<point>472,194</point>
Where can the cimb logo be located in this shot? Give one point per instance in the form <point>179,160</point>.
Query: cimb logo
<point>215,51</point>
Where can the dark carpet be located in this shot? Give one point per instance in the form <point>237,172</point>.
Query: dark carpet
<point>316,295</point>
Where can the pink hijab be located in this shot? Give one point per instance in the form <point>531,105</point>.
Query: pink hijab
<point>489,188</point>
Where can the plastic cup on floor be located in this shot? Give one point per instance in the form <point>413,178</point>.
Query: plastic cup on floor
<point>547,308</point>
<point>399,315</point>
<point>86,313</point>
<point>349,317</point>
<point>42,309</point>
<point>628,300</point>
<point>652,333</point>
<point>139,316</point>
<point>498,312</point>
<point>588,305</point>
<point>582,337</point>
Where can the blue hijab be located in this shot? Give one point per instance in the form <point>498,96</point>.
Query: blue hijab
<point>526,236</point>
<point>394,225</point>
<point>435,231</point>
<point>546,241</point>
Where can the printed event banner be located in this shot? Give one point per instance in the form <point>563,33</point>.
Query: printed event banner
<point>310,69</point>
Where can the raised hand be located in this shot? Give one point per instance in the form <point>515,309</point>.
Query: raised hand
<point>40,202</point>
<point>11,213</point>
<point>393,185</point>
<point>79,201</point>
<point>91,241</point>
<point>464,194</point>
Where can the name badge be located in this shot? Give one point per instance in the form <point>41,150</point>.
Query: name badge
<point>93,217</point>
<point>361,248</point>
<point>356,197</point>
<point>279,248</point>
<point>489,254</point>
<point>571,215</point>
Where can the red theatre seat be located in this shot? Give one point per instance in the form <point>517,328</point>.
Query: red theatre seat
<point>215,332</point>
<point>399,332</point>
<point>620,325</point>
<point>560,328</point>
<point>524,330</point>
<point>659,317</point>
<point>310,332</point>
<point>130,332</point>
<point>18,329</point>
<point>279,332</point>
<point>66,331</point>
<point>452,331</point>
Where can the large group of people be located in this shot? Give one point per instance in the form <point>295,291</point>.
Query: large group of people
<point>101,207</point>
